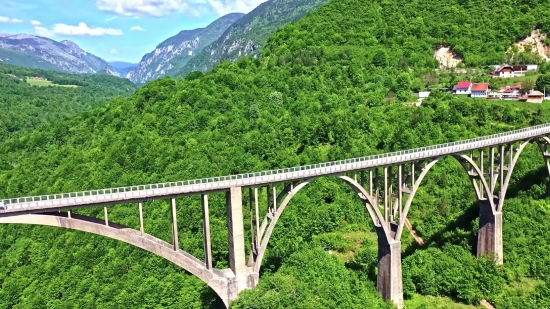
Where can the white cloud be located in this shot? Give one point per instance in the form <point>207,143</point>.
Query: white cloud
<point>4,19</point>
<point>137,28</point>
<point>159,8</point>
<point>113,51</point>
<point>80,30</point>
<point>141,8</point>
<point>223,7</point>
<point>35,23</point>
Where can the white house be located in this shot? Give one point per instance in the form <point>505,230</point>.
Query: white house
<point>462,88</point>
<point>479,90</point>
<point>504,71</point>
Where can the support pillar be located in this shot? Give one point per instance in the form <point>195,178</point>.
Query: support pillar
<point>206,231</point>
<point>140,208</point>
<point>175,240</point>
<point>106,215</point>
<point>244,278</point>
<point>489,238</point>
<point>389,280</point>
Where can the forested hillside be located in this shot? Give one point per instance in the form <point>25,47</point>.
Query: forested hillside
<point>323,92</point>
<point>248,35</point>
<point>25,107</point>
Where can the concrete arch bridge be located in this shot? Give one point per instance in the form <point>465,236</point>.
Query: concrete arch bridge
<point>386,184</point>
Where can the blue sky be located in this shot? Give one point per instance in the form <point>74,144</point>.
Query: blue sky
<point>122,30</point>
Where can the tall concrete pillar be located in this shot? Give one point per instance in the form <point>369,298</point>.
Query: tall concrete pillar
<point>389,280</point>
<point>244,278</point>
<point>489,238</point>
<point>235,227</point>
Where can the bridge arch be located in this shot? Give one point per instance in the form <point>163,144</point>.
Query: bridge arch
<point>291,190</point>
<point>216,279</point>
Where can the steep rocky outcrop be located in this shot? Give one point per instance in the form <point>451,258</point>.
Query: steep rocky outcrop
<point>174,53</point>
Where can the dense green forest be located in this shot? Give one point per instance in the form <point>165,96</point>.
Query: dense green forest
<point>25,107</point>
<point>323,91</point>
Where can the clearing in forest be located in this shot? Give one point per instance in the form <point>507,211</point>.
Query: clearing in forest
<point>45,83</point>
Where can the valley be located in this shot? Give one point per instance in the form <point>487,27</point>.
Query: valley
<point>325,81</point>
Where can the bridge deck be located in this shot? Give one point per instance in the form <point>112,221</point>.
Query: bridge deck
<point>44,203</point>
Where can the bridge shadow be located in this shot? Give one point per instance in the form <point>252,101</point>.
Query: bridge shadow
<point>206,297</point>
<point>466,221</point>
<point>539,176</point>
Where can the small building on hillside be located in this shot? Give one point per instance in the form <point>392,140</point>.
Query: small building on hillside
<point>504,71</point>
<point>532,67</point>
<point>479,90</point>
<point>421,96</point>
<point>463,88</point>
<point>519,68</point>
<point>533,96</point>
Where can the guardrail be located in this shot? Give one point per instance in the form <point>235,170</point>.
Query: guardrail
<point>5,202</point>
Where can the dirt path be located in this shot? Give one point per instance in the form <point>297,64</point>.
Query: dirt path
<point>486,304</point>
<point>413,232</point>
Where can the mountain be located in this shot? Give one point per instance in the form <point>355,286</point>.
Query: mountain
<point>249,34</point>
<point>123,67</point>
<point>64,56</point>
<point>172,54</point>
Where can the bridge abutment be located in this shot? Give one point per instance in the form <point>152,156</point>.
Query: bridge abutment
<point>489,238</point>
<point>389,281</point>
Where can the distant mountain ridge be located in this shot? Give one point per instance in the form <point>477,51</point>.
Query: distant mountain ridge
<point>39,52</point>
<point>174,53</point>
<point>248,35</point>
<point>123,68</point>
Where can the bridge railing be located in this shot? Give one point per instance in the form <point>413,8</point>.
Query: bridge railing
<point>257,174</point>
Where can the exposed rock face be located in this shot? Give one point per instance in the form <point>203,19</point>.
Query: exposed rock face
<point>446,57</point>
<point>533,43</point>
<point>65,55</point>
<point>175,52</point>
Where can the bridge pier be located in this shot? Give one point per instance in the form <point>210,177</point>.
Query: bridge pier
<point>244,278</point>
<point>489,238</point>
<point>389,281</point>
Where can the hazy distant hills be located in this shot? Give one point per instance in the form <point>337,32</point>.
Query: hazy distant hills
<point>43,53</point>
<point>171,55</point>
<point>123,67</point>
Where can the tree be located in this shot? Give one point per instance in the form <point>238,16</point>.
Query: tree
<point>543,82</point>
<point>526,86</point>
<point>380,59</point>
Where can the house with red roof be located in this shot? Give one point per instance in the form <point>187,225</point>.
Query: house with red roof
<point>462,88</point>
<point>479,90</point>
<point>510,92</point>
<point>504,71</point>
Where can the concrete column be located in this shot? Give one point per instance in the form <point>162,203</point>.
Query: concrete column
<point>235,227</point>
<point>141,229</point>
<point>206,228</point>
<point>244,278</point>
<point>489,238</point>
<point>175,240</point>
<point>389,281</point>
<point>106,215</point>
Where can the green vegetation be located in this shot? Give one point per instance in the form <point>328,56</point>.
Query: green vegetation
<point>248,35</point>
<point>28,105</point>
<point>321,93</point>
